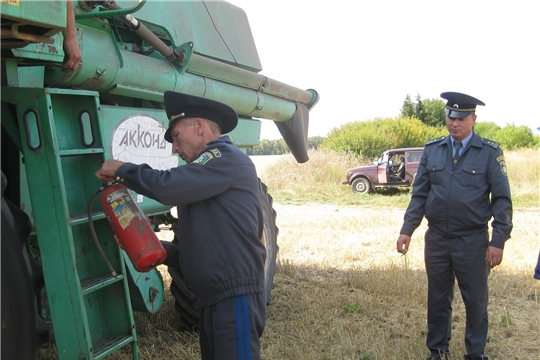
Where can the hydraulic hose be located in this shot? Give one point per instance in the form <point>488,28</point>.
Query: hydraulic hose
<point>93,231</point>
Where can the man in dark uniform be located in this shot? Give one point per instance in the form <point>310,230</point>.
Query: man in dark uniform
<point>537,269</point>
<point>220,222</point>
<point>460,185</point>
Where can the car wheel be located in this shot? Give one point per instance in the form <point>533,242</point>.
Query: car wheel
<point>361,185</point>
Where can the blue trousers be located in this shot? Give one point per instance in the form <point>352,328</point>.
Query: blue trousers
<point>537,269</point>
<point>230,329</point>
<point>462,258</point>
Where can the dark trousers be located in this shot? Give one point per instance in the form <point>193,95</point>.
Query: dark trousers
<point>230,329</point>
<point>462,258</point>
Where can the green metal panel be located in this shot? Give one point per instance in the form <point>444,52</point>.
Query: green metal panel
<point>218,29</point>
<point>31,76</point>
<point>48,14</point>
<point>247,133</point>
<point>41,52</point>
<point>90,308</point>
<point>146,289</point>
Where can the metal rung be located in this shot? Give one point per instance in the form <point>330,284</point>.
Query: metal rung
<point>97,283</point>
<point>80,152</point>
<point>74,221</point>
<point>109,346</point>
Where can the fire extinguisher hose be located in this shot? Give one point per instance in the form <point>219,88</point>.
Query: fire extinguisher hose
<point>93,231</point>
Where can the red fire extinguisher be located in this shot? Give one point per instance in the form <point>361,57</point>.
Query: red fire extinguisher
<point>132,228</point>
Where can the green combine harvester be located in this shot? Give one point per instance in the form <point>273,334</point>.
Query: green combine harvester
<point>59,126</point>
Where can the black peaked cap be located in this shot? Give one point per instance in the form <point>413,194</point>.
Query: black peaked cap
<point>460,105</point>
<point>179,106</point>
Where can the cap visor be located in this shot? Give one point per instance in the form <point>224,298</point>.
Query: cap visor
<point>168,133</point>
<point>457,114</point>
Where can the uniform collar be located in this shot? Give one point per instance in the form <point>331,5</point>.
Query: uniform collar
<point>223,139</point>
<point>476,140</point>
<point>464,142</point>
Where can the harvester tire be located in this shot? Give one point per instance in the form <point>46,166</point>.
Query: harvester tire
<point>19,337</point>
<point>269,238</point>
<point>188,305</point>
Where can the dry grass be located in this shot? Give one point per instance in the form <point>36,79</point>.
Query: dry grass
<point>319,180</point>
<point>343,292</point>
<point>524,175</point>
<point>341,276</point>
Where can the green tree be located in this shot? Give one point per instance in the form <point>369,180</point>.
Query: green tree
<point>314,142</point>
<point>510,137</point>
<point>409,108</point>
<point>514,137</point>
<point>371,138</point>
<point>487,129</point>
<point>419,109</point>
<point>429,111</point>
<point>279,146</point>
<point>433,113</point>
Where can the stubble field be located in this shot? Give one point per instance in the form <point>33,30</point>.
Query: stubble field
<point>343,292</point>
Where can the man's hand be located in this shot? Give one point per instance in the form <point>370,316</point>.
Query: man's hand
<point>72,52</point>
<point>108,169</point>
<point>494,256</point>
<point>403,243</point>
<point>73,56</point>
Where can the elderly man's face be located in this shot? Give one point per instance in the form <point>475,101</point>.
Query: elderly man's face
<point>186,142</point>
<point>460,128</point>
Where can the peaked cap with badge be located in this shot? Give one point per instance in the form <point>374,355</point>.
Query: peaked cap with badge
<point>460,105</point>
<point>179,106</point>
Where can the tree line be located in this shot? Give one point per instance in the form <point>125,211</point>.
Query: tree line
<point>418,122</point>
<point>279,147</point>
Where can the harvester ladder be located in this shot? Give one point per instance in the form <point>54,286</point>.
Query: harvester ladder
<point>62,145</point>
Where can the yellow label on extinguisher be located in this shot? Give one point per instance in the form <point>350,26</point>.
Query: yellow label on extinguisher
<point>121,204</point>
<point>10,2</point>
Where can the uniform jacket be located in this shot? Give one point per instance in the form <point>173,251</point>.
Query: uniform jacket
<point>460,199</point>
<point>220,220</point>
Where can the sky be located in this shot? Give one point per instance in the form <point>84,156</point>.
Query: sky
<point>364,57</point>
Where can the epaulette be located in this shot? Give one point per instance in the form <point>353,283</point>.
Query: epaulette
<point>491,143</point>
<point>434,141</point>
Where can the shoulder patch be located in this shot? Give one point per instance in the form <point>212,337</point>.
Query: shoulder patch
<point>491,143</point>
<point>502,165</point>
<point>216,152</point>
<point>204,158</point>
<point>434,141</point>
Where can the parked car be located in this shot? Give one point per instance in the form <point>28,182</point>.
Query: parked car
<point>396,167</point>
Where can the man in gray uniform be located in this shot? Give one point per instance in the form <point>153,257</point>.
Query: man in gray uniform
<point>460,185</point>
<point>220,223</point>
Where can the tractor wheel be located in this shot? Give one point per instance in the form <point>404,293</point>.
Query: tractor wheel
<point>188,305</point>
<point>19,337</point>
<point>269,239</point>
